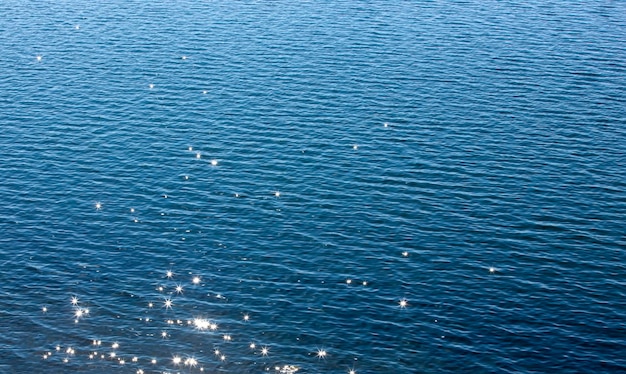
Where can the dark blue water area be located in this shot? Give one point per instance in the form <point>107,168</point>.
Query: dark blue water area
<point>356,186</point>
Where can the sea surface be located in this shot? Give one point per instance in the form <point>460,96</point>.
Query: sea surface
<point>345,186</point>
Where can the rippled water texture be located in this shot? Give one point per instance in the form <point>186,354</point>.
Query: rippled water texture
<point>375,186</point>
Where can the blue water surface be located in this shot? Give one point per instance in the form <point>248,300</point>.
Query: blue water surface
<point>356,186</point>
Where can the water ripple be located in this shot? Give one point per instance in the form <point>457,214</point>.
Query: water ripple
<point>433,187</point>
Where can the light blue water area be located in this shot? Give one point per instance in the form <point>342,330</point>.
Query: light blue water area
<point>383,187</point>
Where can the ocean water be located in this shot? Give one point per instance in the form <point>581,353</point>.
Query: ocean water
<point>328,186</point>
